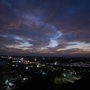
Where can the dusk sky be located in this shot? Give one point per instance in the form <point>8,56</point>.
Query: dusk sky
<point>45,27</point>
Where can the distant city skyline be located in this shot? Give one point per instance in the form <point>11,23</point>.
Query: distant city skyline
<point>45,27</point>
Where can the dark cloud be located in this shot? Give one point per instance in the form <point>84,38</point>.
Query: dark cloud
<point>45,27</point>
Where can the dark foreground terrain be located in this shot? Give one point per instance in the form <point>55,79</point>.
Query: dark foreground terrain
<point>38,73</point>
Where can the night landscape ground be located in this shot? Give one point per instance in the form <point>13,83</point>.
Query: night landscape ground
<point>47,73</point>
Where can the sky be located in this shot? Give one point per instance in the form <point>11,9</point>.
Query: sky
<point>45,27</point>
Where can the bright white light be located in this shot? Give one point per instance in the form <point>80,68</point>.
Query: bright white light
<point>38,66</point>
<point>56,63</point>
<point>26,68</point>
<point>35,59</point>
<point>21,59</point>
<point>11,84</point>
<point>25,79</point>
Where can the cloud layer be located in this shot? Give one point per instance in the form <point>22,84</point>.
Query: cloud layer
<point>45,27</point>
